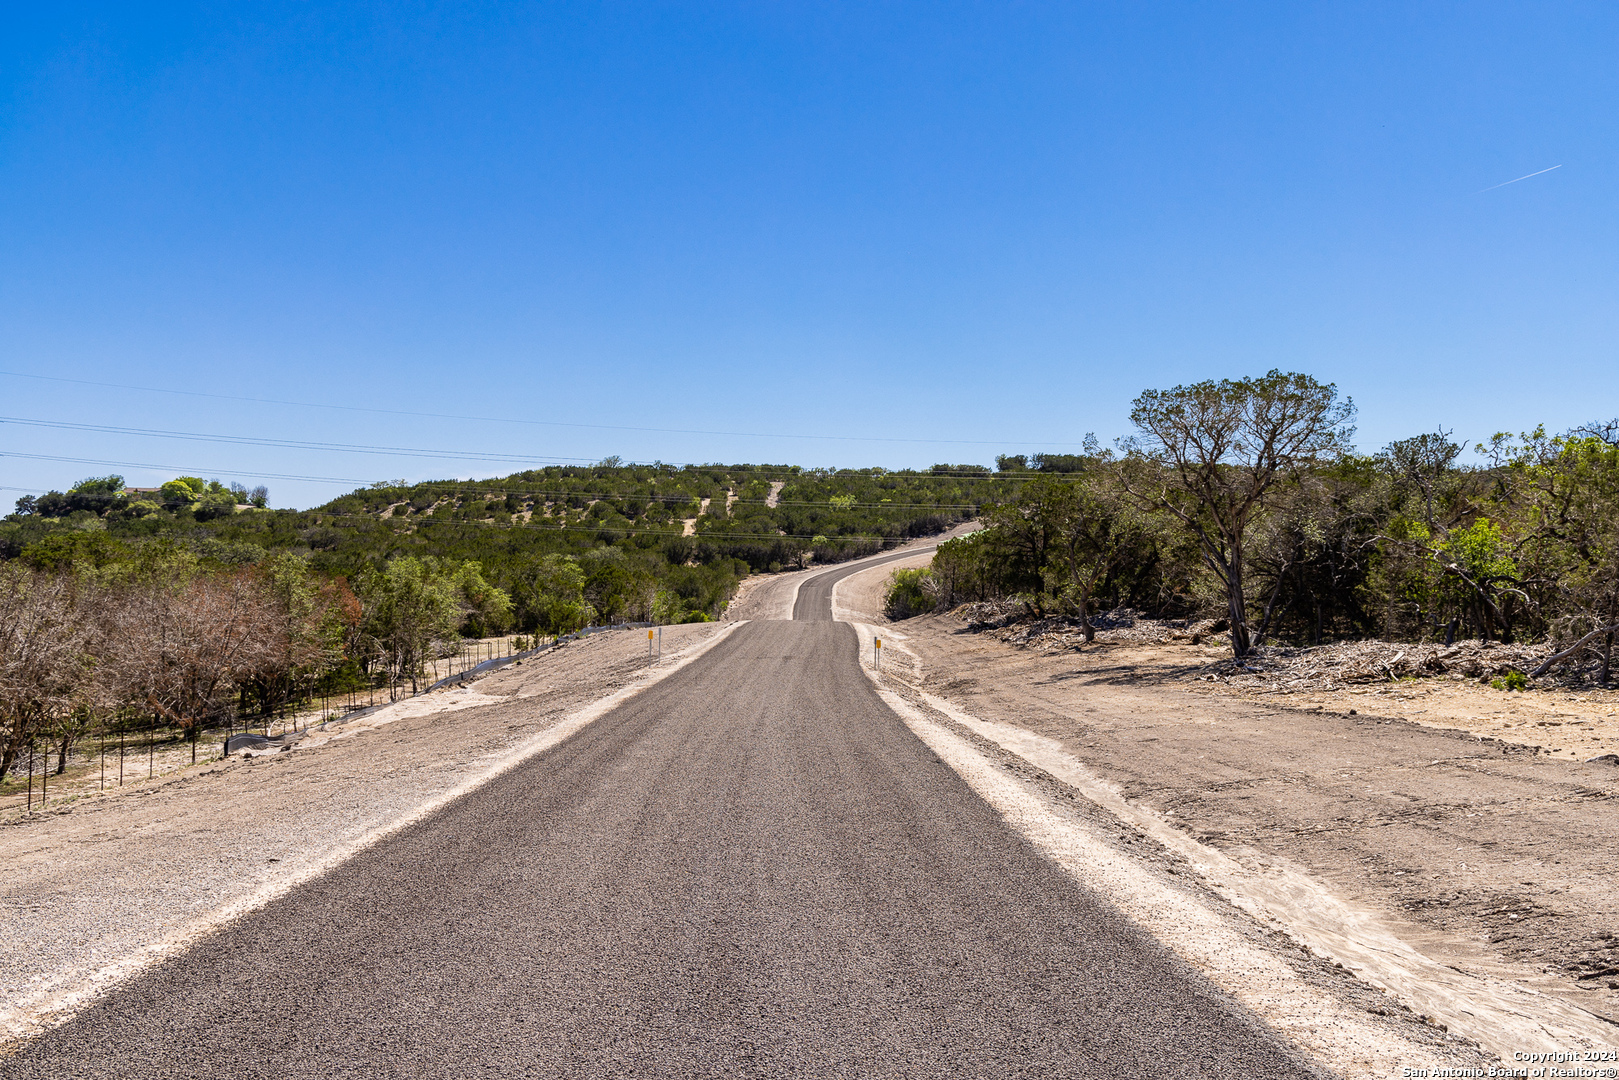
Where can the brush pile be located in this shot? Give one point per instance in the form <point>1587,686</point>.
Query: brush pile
<point>1281,668</point>
<point>1017,623</point>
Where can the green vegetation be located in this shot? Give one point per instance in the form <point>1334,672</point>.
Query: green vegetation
<point>1512,680</point>
<point>1242,500</point>
<point>568,546</point>
<point>908,594</point>
<point>194,605</point>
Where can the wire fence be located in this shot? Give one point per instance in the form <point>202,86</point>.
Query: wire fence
<point>132,751</point>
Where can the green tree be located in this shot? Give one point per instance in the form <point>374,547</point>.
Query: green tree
<point>1093,531</point>
<point>1210,456</point>
<point>1564,492</point>
<point>485,609</point>
<point>413,612</point>
<point>183,491</point>
<point>550,596</point>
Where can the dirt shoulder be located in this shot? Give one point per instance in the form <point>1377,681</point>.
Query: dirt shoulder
<point>1467,818</point>
<point>96,884</point>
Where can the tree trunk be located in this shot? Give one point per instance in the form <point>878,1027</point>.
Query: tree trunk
<point>61,754</point>
<point>1607,657</point>
<point>1270,611</point>
<point>1239,615</point>
<point>13,746</point>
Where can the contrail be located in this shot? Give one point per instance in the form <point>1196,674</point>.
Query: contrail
<point>1515,181</point>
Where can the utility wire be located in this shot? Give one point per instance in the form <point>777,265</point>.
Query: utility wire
<point>384,451</point>
<point>182,470</point>
<point>464,485</point>
<point>398,451</point>
<point>532,423</point>
<point>292,444</point>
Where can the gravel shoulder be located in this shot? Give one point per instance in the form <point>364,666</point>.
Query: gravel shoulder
<point>1452,823</point>
<point>97,887</point>
<point>752,869</point>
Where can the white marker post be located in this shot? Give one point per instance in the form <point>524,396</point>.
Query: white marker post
<point>649,644</point>
<point>877,653</point>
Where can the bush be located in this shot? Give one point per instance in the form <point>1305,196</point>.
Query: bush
<point>908,594</point>
<point>1512,680</point>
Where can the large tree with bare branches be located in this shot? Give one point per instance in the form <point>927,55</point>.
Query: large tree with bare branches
<point>181,651</point>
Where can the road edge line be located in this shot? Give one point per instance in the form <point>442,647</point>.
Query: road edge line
<point>1500,1015</point>
<point>26,1019</point>
<point>1180,921</point>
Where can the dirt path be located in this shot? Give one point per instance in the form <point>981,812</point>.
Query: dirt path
<point>1488,857</point>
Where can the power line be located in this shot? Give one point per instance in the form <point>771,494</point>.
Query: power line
<point>354,448</point>
<point>533,423</point>
<point>360,448</point>
<point>181,470</point>
<point>287,444</point>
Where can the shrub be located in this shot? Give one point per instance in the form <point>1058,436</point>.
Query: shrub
<point>908,594</point>
<point>1512,680</point>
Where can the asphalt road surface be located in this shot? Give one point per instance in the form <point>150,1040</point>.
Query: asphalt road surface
<point>752,869</point>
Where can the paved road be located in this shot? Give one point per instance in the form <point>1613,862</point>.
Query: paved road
<point>752,869</point>
<point>814,603</point>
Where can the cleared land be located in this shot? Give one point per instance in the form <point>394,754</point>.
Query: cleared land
<point>1468,819</point>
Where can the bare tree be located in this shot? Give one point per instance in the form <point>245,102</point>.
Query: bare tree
<point>45,671</point>
<point>1210,455</point>
<point>305,639</point>
<point>181,652</point>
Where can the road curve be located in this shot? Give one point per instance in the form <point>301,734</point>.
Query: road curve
<point>751,869</point>
<point>814,603</point>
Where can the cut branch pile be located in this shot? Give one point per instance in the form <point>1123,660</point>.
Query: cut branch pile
<point>1280,668</point>
<point>1015,622</point>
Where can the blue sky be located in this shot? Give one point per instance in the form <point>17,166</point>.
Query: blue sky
<point>918,233</point>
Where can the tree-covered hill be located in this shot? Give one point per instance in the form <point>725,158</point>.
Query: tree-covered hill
<point>649,541</point>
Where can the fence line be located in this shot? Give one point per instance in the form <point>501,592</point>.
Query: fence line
<point>114,758</point>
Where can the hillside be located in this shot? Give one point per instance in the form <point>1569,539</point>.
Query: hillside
<point>691,531</point>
